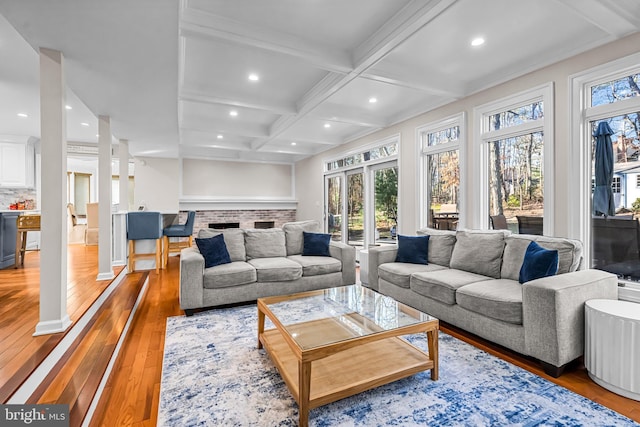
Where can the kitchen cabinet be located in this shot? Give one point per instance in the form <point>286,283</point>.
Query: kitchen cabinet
<point>8,233</point>
<point>17,164</point>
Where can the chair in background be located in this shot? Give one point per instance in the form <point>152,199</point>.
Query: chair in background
<point>177,231</point>
<point>144,226</point>
<point>616,245</point>
<point>75,231</point>
<point>91,233</point>
<point>499,222</point>
<point>530,225</point>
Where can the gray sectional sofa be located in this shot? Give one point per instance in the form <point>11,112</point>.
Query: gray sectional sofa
<point>265,262</point>
<point>471,281</point>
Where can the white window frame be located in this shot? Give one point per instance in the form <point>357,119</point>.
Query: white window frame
<point>367,168</point>
<point>424,151</point>
<point>580,139</point>
<point>483,136</point>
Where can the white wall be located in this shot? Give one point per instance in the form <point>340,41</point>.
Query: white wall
<point>309,179</point>
<point>157,183</point>
<point>211,178</point>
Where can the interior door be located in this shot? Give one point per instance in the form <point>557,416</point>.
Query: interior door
<point>82,194</point>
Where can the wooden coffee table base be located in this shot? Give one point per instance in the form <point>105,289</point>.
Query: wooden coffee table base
<point>343,373</point>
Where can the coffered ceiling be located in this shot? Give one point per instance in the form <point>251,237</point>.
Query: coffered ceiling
<point>170,74</point>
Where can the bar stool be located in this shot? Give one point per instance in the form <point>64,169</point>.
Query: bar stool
<point>144,226</point>
<point>24,223</point>
<point>177,230</point>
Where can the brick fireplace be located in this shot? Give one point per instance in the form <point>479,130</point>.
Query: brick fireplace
<point>246,218</point>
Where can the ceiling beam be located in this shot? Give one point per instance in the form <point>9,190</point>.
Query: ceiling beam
<point>404,24</point>
<point>198,23</point>
<point>235,101</point>
<point>605,15</point>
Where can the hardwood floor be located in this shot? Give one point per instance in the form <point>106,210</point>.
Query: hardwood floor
<point>131,394</point>
<point>21,352</point>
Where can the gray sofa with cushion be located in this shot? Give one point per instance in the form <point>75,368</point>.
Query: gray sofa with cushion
<point>471,281</point>
<point>264,262</point>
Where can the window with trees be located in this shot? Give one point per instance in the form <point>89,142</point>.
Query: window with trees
<point>363,188</point>
<point>606,116</point>
<point>515,135</point>
<point>440,172</point>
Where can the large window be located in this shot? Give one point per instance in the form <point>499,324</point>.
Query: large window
<point>363,188</point>
<point>515,139</point>
<point>605,126</point>
<point>440,173</point>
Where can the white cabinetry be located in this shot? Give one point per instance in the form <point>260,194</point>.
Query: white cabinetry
<point>16,164</point>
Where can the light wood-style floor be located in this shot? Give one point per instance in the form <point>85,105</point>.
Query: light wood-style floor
<point>131,394</point>
<point>19,310</point>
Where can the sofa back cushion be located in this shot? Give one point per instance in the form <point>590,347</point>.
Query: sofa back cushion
<point>569,253</point>
<point>265,243</point>
<point>441,243</point>
<point>233,239</point>
<point>293,234</point>
<point>479,251</point>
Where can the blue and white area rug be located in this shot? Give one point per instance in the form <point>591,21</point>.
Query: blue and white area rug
<point>213,375</point>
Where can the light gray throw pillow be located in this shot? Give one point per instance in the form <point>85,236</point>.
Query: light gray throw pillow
<point>294,234</point>
<point>479,252</point>
<point>265,243</point>
<point>441,243</point>
<point>569,253</point>
<point>233,239</point>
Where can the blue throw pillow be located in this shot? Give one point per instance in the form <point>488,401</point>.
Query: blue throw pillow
<point>413,249</point>
<point>214,251</point>
<point>538,262</point>
<point>316,244</point>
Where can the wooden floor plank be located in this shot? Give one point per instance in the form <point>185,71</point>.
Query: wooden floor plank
<point>21,351</point>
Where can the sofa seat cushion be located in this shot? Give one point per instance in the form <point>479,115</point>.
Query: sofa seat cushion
<point>317,265</point>
<point>228,275</point>
<point>399,273</point>
<point>276,269</point>
<point>441,285</point>
<point>499,299</point>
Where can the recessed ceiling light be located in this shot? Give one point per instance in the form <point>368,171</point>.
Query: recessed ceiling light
<point>254,77</point>
<point>97,135</point>
<point>477,41</point>
<point>84,124</point>
<point>219,137</point>
<point>233,113</point>
<point>293,143</point>
<point>373,100</point>
<point>327,125</point>
<point>68,107</point>
<point>22,115</point>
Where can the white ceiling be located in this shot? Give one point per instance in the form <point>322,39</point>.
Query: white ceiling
<point>168,73</point>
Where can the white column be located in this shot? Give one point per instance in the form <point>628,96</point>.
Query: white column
<point>123,154</point>
<point>53,255</point>
<point>105,270</point>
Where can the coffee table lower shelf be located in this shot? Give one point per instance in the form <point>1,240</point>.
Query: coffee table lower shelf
<point>350,371</point>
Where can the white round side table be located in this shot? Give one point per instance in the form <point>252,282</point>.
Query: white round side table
<point>612,345</point>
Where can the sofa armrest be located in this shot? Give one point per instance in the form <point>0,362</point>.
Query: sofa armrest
<point>379,255</point>
<point>347,256</point>
<point>191,279</point>
<point>553,312</point>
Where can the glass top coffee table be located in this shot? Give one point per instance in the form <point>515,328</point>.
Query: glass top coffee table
<point>333,343</point>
